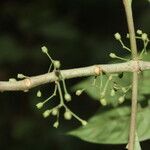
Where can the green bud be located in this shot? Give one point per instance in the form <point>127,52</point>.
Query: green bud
<point>121,99</point>
<point>56,64</point>
<point>79,92</point>
<point>112,93</point>
<point>20,76</point>
<point>39,105</point>
<point>54,111</point>
<point>84,123</point>
<point>112,55</point>
<point>139,32</point>
<point>46,113</point>
<point>103,101</point>
<point>39,94</point>
<point>44,49</point>
<point>144,36</point>
<point>117,36</point>
<point>67,115</point>
<point>67,97</point>
<point>123,89</point>
<point>56,124</point>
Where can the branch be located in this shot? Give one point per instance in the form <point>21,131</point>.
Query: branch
<point>31,82</point>
<point>128,9</point>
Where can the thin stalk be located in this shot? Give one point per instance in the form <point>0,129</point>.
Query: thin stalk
<point>60,94</point>
<point>128,9</point>
<point>133,111</point>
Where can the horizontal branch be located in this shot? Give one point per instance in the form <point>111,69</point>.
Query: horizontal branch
<point>31,82</point>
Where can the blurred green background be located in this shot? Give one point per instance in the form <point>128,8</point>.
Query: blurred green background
<point>78,33</point>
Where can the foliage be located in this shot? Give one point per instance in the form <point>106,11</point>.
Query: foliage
<point>110,125</point>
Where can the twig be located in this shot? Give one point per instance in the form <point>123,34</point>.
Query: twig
<point>128,9</point>
<point>31,82</point>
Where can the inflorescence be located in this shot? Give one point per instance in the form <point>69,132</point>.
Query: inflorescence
<point>64,96</point>
<point>110,86</point>
<point>140,35</point>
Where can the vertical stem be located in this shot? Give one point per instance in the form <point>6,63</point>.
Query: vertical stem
<point>128,9</point>
<point>133,111</point>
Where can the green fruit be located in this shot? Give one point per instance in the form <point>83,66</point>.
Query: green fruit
<point>56,124</point>
<point>39,94</point>
<point>79,92</point>
<point>46,113</point>
<point>54,111</point>
<point>67,115</point>
<point>56,64</point>
<point>44,49</point>
<point>67,97</point>
<point>39,105</point>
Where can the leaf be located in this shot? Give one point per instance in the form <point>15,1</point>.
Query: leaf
<point>112,126</point>
<point>122,80</point>
<point>95,92</point>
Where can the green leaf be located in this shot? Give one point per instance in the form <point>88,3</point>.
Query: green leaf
<point>95,92</point>
<point>122,80</point>
<point>112,126</point>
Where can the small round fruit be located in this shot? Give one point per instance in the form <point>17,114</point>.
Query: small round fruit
<point>56,64</point>
<point>54,111</point>
<point>67,97</point>
<point>67,115</point>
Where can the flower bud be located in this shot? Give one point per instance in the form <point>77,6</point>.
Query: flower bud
<point>144,36</point>
<point>46,113</point>
<point>67,97</point>
<point>79,92</point>
<point>139,32</point>
<point>103,101</point>
<point>112,93</point>
<point>56,124</point>
<point>39,94</point>
<point>121,99</point>
<point>123,89</point>
<point>56,64</point>
<point>117,36</point>
<point>54,111</point>
<point>44,49</point>
<point>39,105</point>
<point>20,76</point>
<point>112,55</point>
<point>67,115</point>
<point>84,123</point>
